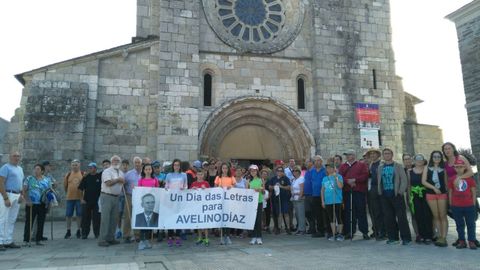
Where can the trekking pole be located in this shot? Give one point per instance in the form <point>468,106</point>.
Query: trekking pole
<point>334,202</point>
<point>351,215</point>
<point>30,227</point>
<point>51,222</point>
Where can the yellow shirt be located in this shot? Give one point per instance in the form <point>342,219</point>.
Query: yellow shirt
<point>71,185</point>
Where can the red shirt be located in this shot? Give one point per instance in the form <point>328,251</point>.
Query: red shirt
<point>197,184</point>
<point>359,171</point>
<point>462,194</point>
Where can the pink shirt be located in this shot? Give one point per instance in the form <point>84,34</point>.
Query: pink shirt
<point>148,182</point>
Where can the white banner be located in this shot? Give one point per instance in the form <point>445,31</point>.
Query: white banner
<point>194,209</point>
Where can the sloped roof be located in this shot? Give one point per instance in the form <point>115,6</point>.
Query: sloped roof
<point>137,44</point>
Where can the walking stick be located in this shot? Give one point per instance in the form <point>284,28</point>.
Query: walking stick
<point>51,222</point>
<point>30,227</point>
<point>351,215</point>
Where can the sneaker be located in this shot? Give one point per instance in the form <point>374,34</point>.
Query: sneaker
<point>199,241</point>
<point>259,241</point>
<point>253,241</point>
<point>366,237</point>
<point>331,238</point>
<point>427,241</point>
<point>406,242</point>
<point>472,245</point>
<point>141,245</point>
<point>68,234</point>
<point>118,234</point>
<point>178,242</point>
<point>147,244</point>
<point>228,241</point>
<point>455,243</point>
<point>79,234</point>
<point>339,237</point>
<point>441,242</point>
<point>461,244</point>
<point>11,245</point>
<point>300,233</point>
<point>392,242</point>
<point>170,242</point>
<point>206,242</point>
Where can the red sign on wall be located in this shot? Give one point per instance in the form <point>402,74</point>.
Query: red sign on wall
<point>367,115</point>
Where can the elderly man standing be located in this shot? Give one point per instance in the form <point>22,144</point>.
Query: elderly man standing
<point>112,184</point>
<point>317,173</point>
<point>131,180</point>
<point>11,178</point>
<point>355,175</point>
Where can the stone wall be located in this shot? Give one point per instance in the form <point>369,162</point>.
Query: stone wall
<point>422,139</point>
<point>353,38</point>
<point>468,31</point>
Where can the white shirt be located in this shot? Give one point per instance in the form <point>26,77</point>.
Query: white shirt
<point>296,188</point>
<point>108,175</point>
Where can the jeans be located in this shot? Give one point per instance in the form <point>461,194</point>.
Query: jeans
<point>91,215</point>
<point>376,212</point>
<point>359,212</point>
<point>464,215</point>
<point>318,215</point>
<point>8,216</point>
<point>300,214</point>
<point>257,229</point>
<point>395,214</point>
<point>72,205</point>
<point>39,212</point>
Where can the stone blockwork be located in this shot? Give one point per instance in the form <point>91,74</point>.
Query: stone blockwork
<point>146,98</point>
<point>467,20</point>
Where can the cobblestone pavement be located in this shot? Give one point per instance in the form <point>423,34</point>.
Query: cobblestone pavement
<point>278,252</point>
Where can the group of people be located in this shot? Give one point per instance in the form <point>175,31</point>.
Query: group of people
<point>326,198</point>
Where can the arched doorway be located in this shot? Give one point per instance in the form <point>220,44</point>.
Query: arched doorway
<point>255,128</point>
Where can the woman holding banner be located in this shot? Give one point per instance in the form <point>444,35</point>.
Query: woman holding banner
<point>225,180</point>
<point>147,180</point>
<point>257,184</point>
<point>175,180</point>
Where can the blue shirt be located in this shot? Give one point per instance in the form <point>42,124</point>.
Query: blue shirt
<point>388,176</point>
<point>36,188</point>
<point>317,178</point>
<point>131,180</point>
<point>13,177</point>
<point>332,194</point>
<point>307,185</point>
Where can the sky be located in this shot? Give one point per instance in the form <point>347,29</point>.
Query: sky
<point>38,33</point>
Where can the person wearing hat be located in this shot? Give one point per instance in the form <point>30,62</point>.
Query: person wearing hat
<point>91,186</point>
<point>374,203</point>
<point>279,187</point>
<point>257,184</point>
<point>355,175</point>
<point>462,197</point>
<point>73,196</point>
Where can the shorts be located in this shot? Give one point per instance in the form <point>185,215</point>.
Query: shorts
<point>434,197</point>
<point>72,205</point>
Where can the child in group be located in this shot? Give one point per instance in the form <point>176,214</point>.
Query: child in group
<point>462,196</point>
<point>241,182</point>
<point>331,193</point>
<point>226,181</point>
<point>201,184</point>
<point>257,184</point>
<point>147,180</point>
<point>176,180</point>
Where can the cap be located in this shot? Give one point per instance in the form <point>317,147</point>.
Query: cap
<point>419,157</point>
<point>92,164</point>
<point>166,164</point>
<point>253,167</point>
<point>278,162</point>
<point>459,162</point>
<point>204,163</point>
<point>45,163</point>
<point>349,152</point>
<point>75,161</point>
<point>197,164</point>
<point>156,163</point>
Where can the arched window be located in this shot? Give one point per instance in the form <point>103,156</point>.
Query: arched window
<point>207,89</point>
<point>301,93</point>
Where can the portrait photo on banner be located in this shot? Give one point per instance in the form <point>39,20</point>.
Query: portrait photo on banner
<point>145,206</point>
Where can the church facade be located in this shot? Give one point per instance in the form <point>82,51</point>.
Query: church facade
<point>240,79</point>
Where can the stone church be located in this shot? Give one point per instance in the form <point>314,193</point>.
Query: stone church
<point>242,79</point>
